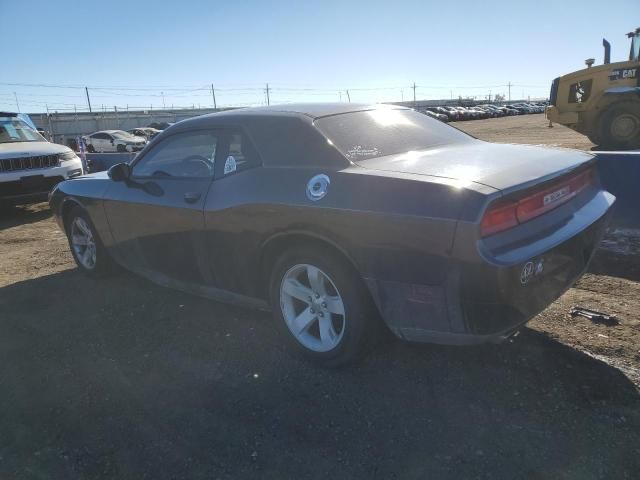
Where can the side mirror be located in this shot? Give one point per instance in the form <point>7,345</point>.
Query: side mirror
<point>120,172</point>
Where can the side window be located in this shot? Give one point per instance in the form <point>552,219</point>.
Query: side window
<point>241,155</point>
<point>189,154</point>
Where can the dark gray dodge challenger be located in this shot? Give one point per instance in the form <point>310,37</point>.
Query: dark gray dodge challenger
<point>343,219</point>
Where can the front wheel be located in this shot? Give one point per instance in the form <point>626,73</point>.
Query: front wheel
<point>620,126</point>
<point>86,247</point>
<point>322,307</point>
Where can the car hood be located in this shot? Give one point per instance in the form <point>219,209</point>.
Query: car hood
<point>498,166</point>
<point>29,149</point>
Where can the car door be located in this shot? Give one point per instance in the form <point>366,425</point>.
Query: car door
<point>156,217</point>
<point>95,140</point>
<point>109,143</point>
<point>103,142</point>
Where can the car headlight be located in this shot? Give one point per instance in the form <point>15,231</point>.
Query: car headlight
<point>66,156</point>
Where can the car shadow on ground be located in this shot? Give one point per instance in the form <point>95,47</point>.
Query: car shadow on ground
<point>119,378</point>
<point>15,215</point>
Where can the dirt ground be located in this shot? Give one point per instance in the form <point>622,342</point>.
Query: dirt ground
<point>531,129</point>
<point>119,378</point>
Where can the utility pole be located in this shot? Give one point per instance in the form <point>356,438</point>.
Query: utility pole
<point>268,101</point>
<point>49,122</point>
<point>163,105</point>
<point>348,96</point>
<point>340,94</point>
<point>86,90</point>
<point>17,104</point>
<point>509,85</point>
<point>213,94</point>
<point>414,94</point>
<point>489,96</point>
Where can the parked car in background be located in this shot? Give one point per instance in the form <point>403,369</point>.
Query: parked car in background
<point>106,141</point>
<point>145,132</point>
<point>29,164</point>
<point>492,110</point>
<point>160,125</point>
<point>453,113</point>
<point>443,111</point>
<point>342,216</point>
<point>435,114</point>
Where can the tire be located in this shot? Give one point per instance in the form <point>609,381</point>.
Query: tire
<point>330,339</point>
<point>121,148</point>
<point>620,126</point>
<point>91,149</point>
<point>594,139</point>
<point>79,228</point>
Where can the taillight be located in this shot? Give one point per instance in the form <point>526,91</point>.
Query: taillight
<point>505,214</point>
<point>498,217</point>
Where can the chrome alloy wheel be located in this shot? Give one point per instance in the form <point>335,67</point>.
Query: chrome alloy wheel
<point>312,307</point>
<point>84,245</point>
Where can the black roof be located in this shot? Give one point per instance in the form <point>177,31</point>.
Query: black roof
<point>312,110</point>
<point>283,134</point>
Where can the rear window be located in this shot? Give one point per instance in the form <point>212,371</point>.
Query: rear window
<point>386,131</point>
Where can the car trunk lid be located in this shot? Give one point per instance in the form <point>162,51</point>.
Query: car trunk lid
<point>501,166</point>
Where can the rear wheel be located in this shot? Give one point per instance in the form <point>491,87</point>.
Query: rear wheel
<point>121,148</point>
<point>86,247</point>
<point>322,307</point>
<point>595,139</point>
<point>620,126</point>
<point>91,149</point>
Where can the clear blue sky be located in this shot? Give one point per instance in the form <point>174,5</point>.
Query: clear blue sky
<point>175,47</point>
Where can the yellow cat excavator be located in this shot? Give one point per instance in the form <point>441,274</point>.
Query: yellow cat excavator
<point>603,101</point>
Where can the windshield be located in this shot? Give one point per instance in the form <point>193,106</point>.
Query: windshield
<point>386,131</point>
<point>635,48</point>
<point>13,130</point>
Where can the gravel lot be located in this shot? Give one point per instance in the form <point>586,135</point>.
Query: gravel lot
<point>120,378</point>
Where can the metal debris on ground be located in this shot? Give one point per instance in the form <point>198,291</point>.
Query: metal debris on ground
<point>595,317</point>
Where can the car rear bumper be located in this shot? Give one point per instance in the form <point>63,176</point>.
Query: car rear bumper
<point>487,302</point>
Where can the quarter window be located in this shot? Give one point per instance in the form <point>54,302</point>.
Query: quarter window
<point>190,154</point>
<point>241,154</point>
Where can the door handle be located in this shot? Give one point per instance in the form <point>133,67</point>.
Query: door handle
<point>192,197</point>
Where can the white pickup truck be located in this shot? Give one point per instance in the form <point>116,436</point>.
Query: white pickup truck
<point>30,166</point>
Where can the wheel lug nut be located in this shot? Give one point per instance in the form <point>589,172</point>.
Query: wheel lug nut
<point>317,295</point>
<point>324,305</point>
<point>310,298</point>
<point>312,311</point>
<point>321,314</point>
